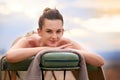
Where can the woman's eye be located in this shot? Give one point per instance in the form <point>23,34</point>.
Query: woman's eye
<point>49,31</point>
<point>59,31</point>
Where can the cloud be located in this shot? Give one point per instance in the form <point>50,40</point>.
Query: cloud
<point>27,7</point>
<point>100,7</point>
<point>104,24</point>
<point>76,32</point>
<point>98,4</point>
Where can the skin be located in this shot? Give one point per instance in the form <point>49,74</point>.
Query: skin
<point>50,36</point>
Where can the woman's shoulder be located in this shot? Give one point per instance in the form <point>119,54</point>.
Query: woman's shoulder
<point>20,42</point>
<point>66,39</point>
<point>29,41</point>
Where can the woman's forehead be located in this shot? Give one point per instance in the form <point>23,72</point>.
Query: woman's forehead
<point>52,28</point>
<point>52,24</point>
<point>48,22</point>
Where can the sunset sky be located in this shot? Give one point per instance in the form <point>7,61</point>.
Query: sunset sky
<point>93,23</point>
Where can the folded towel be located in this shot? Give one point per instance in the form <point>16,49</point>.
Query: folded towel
<point>34,71</point>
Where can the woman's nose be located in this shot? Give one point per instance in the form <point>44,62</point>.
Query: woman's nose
<point>54,35</point>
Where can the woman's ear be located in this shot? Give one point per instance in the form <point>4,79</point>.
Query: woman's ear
<point>39,31</point>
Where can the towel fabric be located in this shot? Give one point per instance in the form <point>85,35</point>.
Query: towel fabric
<point>34,71</point>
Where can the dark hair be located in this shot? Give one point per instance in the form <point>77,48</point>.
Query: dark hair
<point>51,14</point>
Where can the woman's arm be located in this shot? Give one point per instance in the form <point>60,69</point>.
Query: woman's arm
<point>20,54</point>
<point>21,50</point>
<point>90,57</point>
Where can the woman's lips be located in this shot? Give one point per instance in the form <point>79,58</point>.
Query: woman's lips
<point>53,42</point>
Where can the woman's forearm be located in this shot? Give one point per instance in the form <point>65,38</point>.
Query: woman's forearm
<point>16,55</point>
<point>92,58</point>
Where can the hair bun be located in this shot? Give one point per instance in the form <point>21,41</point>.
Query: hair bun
<point>46,10</point>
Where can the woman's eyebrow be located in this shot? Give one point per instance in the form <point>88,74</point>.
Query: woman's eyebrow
<point>48,29</point>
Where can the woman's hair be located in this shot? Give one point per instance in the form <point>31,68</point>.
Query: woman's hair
<point>30,33</point>
<point>51,14</point>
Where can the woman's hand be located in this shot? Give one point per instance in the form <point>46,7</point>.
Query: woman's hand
<point>66,46</point>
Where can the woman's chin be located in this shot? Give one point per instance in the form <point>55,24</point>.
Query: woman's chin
<point>53,45</point>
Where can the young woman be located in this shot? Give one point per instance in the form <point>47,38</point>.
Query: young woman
<point>50,33</point>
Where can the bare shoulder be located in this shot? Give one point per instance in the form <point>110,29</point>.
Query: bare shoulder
<point>68,40</point>
<point>65,40</point>
<point>20,42</point>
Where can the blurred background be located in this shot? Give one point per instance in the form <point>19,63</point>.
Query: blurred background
<point>93,23</point>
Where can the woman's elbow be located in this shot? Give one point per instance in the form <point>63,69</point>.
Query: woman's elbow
<point>96,62</point>
<point>99,62</point>
<point>9,58</point>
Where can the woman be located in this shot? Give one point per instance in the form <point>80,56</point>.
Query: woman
<point>50,31</point>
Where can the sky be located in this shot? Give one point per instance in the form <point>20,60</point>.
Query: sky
<point>95,24</point>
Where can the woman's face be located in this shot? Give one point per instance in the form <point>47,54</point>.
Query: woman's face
<point>51,32</point>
